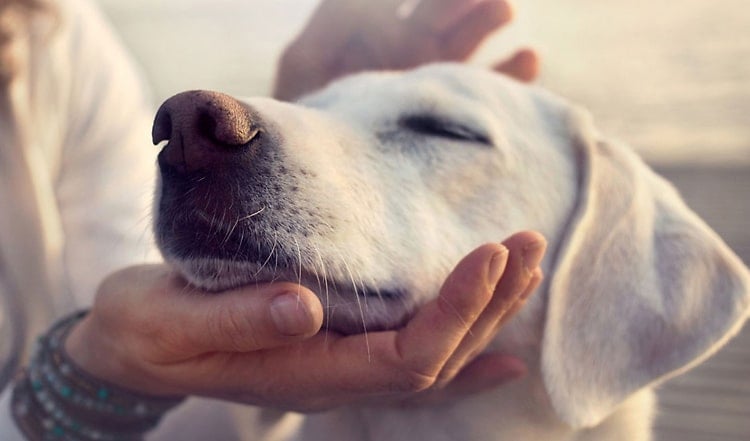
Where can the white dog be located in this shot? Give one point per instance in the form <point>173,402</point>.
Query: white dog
<point>372,189</point>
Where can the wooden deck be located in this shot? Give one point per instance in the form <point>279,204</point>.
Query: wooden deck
<point>712,402</point>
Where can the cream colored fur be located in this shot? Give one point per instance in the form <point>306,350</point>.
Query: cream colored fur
<point>638,288</point>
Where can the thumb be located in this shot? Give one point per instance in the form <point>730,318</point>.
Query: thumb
<point>247,319</point>
<point>523,66</point>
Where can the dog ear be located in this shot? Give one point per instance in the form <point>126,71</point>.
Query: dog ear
<point>642,289</point>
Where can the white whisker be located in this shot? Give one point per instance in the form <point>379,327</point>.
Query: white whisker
<point>270,254</point>
<point>299,260</point>
<point>229,232</point>
<point>327,303</point>
<point>252,215</point>
<point>359,305</point>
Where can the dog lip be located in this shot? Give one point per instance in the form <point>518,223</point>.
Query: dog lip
<point>382,294</point>
<point>358,328</point>
<point>231,265</point>
<point>233,274</point>
<point>215,276</point>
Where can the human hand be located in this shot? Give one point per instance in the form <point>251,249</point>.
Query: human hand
<point>150,333</point>
<point>348,36</point>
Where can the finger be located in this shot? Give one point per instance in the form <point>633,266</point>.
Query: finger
<point>330,26</point>
<point>241,320</point>
<point>305,63</point>
<point>523,66</point>
<point>526,251</point>
<point>446,320</point>
<point>522,276</point>
<point>536,279</point>
<point>460,41</point>
<point>409,359</point>
<point>436,16</point>
<point>485,372</point>
<point>362,53</point>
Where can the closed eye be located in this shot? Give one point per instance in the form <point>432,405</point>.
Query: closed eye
<point>430,125</point>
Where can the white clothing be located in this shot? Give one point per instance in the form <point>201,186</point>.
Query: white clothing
<point>76,175</point>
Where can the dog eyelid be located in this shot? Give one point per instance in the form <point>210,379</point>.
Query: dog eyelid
<point>430,125</point>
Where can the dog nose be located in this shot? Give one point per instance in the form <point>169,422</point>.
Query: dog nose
<point>203,129</point>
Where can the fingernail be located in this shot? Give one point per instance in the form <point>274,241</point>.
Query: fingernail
<point>533,254</point>
<point>497,266</point>
<point>290,315</point>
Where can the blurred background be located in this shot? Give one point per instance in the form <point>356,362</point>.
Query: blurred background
<point>671,78</point>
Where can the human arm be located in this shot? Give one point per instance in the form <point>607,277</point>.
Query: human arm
<point>225,346</point>
<point>344,37</point>
<point>149,335</point>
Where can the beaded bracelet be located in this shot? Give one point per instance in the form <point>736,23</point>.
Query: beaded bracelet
<point>54,399</point>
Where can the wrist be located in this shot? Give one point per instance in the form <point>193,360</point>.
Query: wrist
<point>83,351</point>
<point>54,398</point>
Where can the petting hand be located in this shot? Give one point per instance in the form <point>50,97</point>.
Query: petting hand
<point>348,36</point>
<point>149,332</point>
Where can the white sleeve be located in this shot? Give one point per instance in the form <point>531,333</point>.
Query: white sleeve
<point>107,166</point>
<point>8,429</point>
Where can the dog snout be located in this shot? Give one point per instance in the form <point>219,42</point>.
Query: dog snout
<point>204,130</point>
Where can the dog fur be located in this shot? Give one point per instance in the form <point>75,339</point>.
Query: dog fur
<point>370,190</point>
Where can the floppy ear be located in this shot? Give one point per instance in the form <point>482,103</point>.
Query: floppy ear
<point>642,289</point>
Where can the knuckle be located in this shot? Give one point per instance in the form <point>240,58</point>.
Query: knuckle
<point>537,275</point>
<point>415,381</point>
<point>446,377</point>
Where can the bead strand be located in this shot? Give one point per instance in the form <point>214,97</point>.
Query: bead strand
<point>56,400</point>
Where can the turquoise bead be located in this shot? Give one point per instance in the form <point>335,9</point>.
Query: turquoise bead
<point>103,393</point>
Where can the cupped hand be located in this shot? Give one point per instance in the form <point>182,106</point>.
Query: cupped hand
<point>151,333</point>
<point>349,36</point>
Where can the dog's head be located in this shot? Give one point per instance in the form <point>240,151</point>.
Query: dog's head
<point>368,192</point>
<point>371,190</point>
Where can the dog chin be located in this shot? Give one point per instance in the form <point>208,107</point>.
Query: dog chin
<point>218,274</point>
<point>347,310</point>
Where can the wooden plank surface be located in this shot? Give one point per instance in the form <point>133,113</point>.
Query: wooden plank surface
<point>712,402</point>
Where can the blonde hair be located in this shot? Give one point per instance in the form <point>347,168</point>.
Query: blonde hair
<point>15,19</point>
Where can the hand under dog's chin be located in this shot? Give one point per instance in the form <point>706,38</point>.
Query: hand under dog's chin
<point>347,310</point>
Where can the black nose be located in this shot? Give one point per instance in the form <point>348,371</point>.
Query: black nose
<point>203,130</point>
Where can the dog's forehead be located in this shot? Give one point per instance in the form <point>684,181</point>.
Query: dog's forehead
<point>448,87</point>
